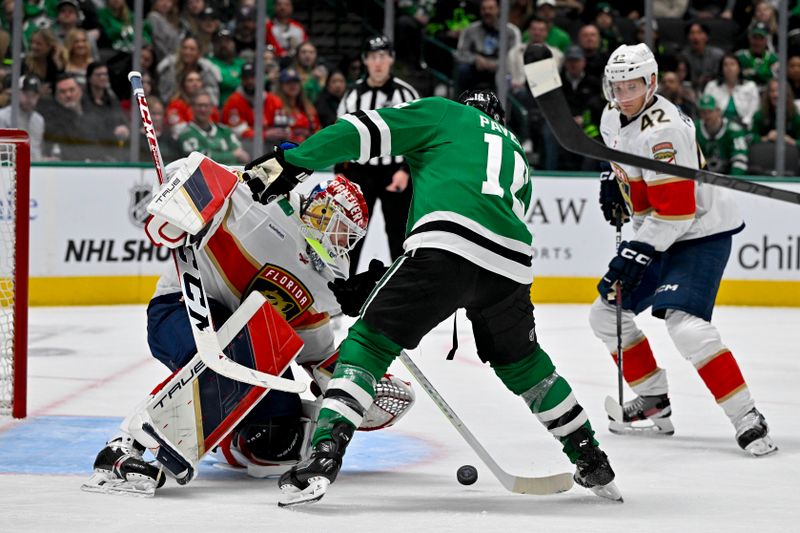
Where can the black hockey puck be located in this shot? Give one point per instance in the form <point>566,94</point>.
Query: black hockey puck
<point>467,475</point>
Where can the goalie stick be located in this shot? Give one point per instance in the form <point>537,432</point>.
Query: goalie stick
<point>194,294</point>
<point>544,81</point>
<point>522,485</point>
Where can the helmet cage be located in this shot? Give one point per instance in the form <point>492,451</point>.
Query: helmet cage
<point>630,63</point>
<point>336,215</point>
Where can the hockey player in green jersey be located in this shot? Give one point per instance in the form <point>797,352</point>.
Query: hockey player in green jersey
<point>467,246</point>
<point>723,142</point>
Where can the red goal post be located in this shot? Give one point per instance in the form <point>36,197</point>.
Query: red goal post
<point>15,164</point>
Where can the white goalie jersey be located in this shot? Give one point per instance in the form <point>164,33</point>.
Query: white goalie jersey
<point>667,209</point>
<point>259,247</point>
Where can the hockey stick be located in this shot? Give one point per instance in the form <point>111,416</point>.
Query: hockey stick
<point>544,81</point>
<point>522,485</point>
<point>617,412</point>
<point>194,294</point>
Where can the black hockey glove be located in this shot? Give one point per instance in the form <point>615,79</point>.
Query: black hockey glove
<point>627,267</point>
<point>271,175</point>
<point>612,198</point>
<point>351,293</point>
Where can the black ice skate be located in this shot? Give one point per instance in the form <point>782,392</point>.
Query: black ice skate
<point>593,469</point>
<point>644,415</point>
<point>120,469</point>
<point>752,434</point>
<point>308,480</point>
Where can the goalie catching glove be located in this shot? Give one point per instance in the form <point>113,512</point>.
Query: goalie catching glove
<point>271,175</point>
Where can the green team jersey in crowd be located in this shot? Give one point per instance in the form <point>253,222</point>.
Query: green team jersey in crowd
<point>726,151</point>
<point>470,177</point>
<point>231,76</point>
<point>218,143</point>
<point>757,69</point>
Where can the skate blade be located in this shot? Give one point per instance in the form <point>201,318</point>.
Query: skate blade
<point>761,447</point>
<point>652,427</point>
<point>313,493</point>
<point>608,491</point>
<point>108,484</point>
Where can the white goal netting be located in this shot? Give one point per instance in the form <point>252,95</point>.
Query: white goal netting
<point>8,193</point>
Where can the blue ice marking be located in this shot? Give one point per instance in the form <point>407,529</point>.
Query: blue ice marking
<point>69,444</point>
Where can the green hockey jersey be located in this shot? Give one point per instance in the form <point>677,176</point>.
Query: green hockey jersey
<point>470,177</point>
<point>725,151</point>
<point>219,143</point>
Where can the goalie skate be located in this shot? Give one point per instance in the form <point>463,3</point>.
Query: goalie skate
<point>120,469</point>
<point>108,483</point>
<point>644,415</point>
<point>752,434</point>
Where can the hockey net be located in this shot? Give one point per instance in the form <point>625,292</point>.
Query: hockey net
<point>14,202</point>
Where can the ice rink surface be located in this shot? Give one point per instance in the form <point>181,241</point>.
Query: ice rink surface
<point>89,366</point>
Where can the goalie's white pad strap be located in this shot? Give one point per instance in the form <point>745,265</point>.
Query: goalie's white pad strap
<point>194,193</point>
<point>543,76</point>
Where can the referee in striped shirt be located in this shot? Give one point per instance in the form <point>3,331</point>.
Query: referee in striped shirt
<point>386,177</point>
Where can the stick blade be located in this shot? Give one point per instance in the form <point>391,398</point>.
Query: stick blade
<point>542,486</point>
<point>614,409</point>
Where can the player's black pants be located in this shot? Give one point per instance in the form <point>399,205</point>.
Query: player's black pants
<point>373,181</point>
<point>426,286</point>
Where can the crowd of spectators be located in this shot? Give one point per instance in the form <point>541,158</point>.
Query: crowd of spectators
<point>198,70</point>
<point>197,63</point>
<point>724,50</point>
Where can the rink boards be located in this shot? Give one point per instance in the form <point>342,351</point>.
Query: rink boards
<point>88,246</point>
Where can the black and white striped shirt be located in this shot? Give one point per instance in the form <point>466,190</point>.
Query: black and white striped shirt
<point>362,97</point>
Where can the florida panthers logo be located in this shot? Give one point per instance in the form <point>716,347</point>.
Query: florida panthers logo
<point>282,289</point>
<point>277,300</point>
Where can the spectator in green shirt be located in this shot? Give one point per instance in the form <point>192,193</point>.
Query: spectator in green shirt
<point>229,65</point>
<point>758,61</point>
<point>722,141</point>
<point>204,136</point>
<point>546,10</point>
<point>116,23</point>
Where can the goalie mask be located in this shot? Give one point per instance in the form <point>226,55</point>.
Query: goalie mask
<point>629,63</point>
<point>335,212</point>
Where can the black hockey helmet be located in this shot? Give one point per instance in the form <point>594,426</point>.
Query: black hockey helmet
<point>484,100</point>
<point>376,43</point>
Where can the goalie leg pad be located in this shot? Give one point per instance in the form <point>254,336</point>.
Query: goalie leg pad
<point>196,408</point>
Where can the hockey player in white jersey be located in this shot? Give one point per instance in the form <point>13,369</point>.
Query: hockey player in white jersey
<point>674,263</point>
<point>288,250</point>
